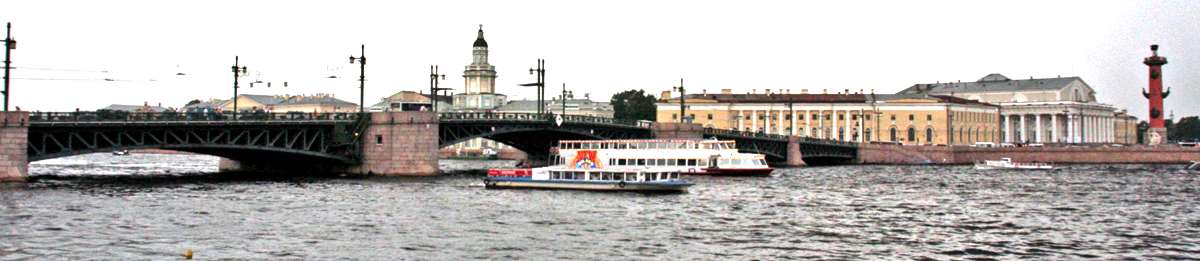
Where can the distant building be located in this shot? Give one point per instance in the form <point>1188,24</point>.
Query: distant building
<point>1044,110</point>
<point>410,101</point>
<point>318,103</point>
<point>479,93</point>
<point>144,108</point>
<point>908,119</point>
<point>585,107</point>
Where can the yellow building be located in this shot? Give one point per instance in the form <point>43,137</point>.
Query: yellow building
<point>908,119</point>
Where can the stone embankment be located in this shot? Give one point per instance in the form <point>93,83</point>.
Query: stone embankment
<point>1094,154</point>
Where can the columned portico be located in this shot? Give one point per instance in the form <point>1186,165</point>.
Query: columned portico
<point>754,120</point>
<point>808,123</point>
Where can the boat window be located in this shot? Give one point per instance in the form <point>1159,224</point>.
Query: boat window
<point>762,162</point>
<point>680,162</point>
<point>703,162</point>
<point>641,162</point>
<point>692,162</point>
<point>670,162</point>
<point>630,176</point>
<point>621,162</point>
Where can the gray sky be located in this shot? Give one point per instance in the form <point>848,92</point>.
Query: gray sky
<point>597,47</point>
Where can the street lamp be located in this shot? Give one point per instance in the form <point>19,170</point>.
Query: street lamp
<point>682,106</point>
<point>540,84</point>
<point>9,45</point>
<point>362,78</point>
<point>564,98</point>
<point>238,72</point>
<point>434,82</point>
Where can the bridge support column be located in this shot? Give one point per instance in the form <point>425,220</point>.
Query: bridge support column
<point>794,156</point>
<point>400,144</point>
<point>674,130</point>
<point>14,142</point>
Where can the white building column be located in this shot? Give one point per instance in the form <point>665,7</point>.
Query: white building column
<point>779,124</point>
<point>807,123</point>
<point>833,125</point>
<point>793,132</point>
<point>1037,120</point>
<point>1008,128</point>
<point>1021,128</point>
<point>1070,128</point>
<point>862,125</point>
<point>1054,137</point>
<point>849,124</point>
<point>767,122</point>
<point>753,120</point>
<point>739,117</point>
<point>1073,123</point>
<point>821,124</point>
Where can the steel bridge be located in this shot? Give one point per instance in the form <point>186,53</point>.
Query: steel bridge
<point>775,147</point>
<point>336,137</point>
<point>261,136</point>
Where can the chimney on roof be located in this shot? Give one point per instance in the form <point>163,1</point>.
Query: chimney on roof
<point>753,91</point>
<point>803,91</point>
<point>146,104</point>
<point>824,91</point>
<point>726,91</point>
<point>160,105</point>
<point>704,91</point>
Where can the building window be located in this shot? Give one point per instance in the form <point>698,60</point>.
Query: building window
<point>867,117</point>
<point>710,116</point>
<point>674,116</point>
<point>929,135</point>
<point>801,116</point>
<point>928,117</point>
<point>910,117</point>
<point>841,133</point>
<point>867,132</point>
<point>378,139</point>
<point>893,117</point>
<point>854,117</point>
<point>912,133</point>
<point>828,117</point>
<point>893,134</point>
<point>840,117</point>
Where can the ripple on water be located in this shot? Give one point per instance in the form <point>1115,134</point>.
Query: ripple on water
<point>106,207</point>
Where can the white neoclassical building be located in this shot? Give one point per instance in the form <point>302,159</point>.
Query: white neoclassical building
<point>1048,110</point>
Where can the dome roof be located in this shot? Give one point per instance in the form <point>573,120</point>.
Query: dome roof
<point>479,42</point>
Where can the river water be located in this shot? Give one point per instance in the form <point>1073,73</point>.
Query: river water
<point>157,206</point>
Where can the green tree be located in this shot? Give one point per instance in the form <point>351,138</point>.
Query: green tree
<point>1187,129</point>
<point>634,105</point>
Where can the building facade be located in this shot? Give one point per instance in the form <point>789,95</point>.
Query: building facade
<point>571,106</point>
<point>317,103</point>
<point>1046,110</point>
<point>479,92</point>
<point>908,119</point>
<point>410,101</point>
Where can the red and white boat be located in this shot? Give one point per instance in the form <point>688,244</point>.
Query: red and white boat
<point>691,157</point>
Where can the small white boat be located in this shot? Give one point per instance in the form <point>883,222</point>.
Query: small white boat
<point>1007,163</point>
<point>120,152</point>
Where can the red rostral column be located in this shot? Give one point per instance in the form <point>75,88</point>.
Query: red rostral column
<point>1158,131</point>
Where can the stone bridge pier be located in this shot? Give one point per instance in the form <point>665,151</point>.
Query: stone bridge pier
<point>394,144</point>
<point>14,132</point>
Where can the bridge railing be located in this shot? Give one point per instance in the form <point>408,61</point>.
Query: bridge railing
<point>503,116</point>
<point>772,136</point>
<point>122,116</point>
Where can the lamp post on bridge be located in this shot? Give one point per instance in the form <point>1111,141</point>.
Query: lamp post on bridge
<point>9,45</point>
<point>540,84</point>
<point>434,82</point>
<point>362,76</point>
<point>237,73</point>
<point>564,98</point>
<point>682,105</point>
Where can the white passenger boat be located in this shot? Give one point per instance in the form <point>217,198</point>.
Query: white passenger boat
<point>618,179</point>
<point>1007,163</point>
<point>689,157</point>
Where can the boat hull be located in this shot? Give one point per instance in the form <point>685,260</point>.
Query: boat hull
<point>732,172</point>
<point>526,183</point>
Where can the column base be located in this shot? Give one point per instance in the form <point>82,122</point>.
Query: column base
<point>1155,136</point>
